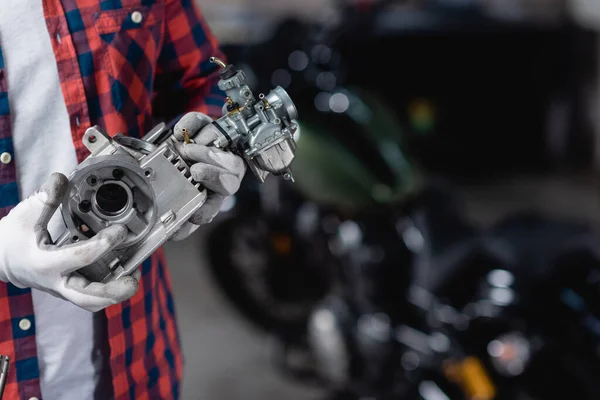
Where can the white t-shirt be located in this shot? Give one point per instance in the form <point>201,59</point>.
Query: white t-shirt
<point>71,363</point>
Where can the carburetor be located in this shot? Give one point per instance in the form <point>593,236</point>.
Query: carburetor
<point>146,185</point>
<point>262,131</point>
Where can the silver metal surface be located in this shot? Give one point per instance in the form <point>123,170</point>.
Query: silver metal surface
<point>429,390</point>
<point>261,130</point>
<point>145,184</point>
<point>235,81</point>
<point>131,182</point>
<point>413,339</point>
<point>4,366</point>
<point>327,342</point>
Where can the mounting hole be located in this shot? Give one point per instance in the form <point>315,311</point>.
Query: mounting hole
<point>85,206</point>
<point>148,173</point>
<point>261,96</point>
<point>92,139</point>
<point>118,174</point>
<point>75,238</point>
<point>92,180</point>
<point>246,94</point>
<point>260,108</point>
<point>112,198</point>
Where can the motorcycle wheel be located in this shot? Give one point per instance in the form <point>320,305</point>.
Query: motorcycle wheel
<point>273,277</point>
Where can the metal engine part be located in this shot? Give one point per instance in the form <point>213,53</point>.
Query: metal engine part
<point>127,181</point>
<point>328,342</point>
<point>145,184</point>
<point>4,366</point>
<point>262,131</point>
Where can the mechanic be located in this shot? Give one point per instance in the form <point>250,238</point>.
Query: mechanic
<point>66,65</point>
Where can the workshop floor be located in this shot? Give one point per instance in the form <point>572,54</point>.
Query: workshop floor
<point>226,358</point>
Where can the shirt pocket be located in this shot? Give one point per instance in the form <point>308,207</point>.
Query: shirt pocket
<point>131,39</point>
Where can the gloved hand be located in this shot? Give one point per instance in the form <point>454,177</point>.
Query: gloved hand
<point>221,172</point>
<point>28,258</point>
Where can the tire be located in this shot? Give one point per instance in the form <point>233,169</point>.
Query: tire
<point>269,274</point>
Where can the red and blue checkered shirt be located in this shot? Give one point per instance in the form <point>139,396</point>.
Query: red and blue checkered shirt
<point>121,74</point>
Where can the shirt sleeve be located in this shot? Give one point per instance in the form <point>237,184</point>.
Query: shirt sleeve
<point>185,78</point>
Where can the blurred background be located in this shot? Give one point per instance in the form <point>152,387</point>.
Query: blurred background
<point>440,240</point>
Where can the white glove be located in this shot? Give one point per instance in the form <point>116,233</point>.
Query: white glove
<point>28,258</point>
<point>221,172</point>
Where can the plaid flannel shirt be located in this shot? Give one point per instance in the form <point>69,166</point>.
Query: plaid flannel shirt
<point>118,71</point>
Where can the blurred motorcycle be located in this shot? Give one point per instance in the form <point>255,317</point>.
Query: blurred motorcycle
<point>271,252</point>
<point>358,133</point>
<point>364,271</point>
<point>507,312</point>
